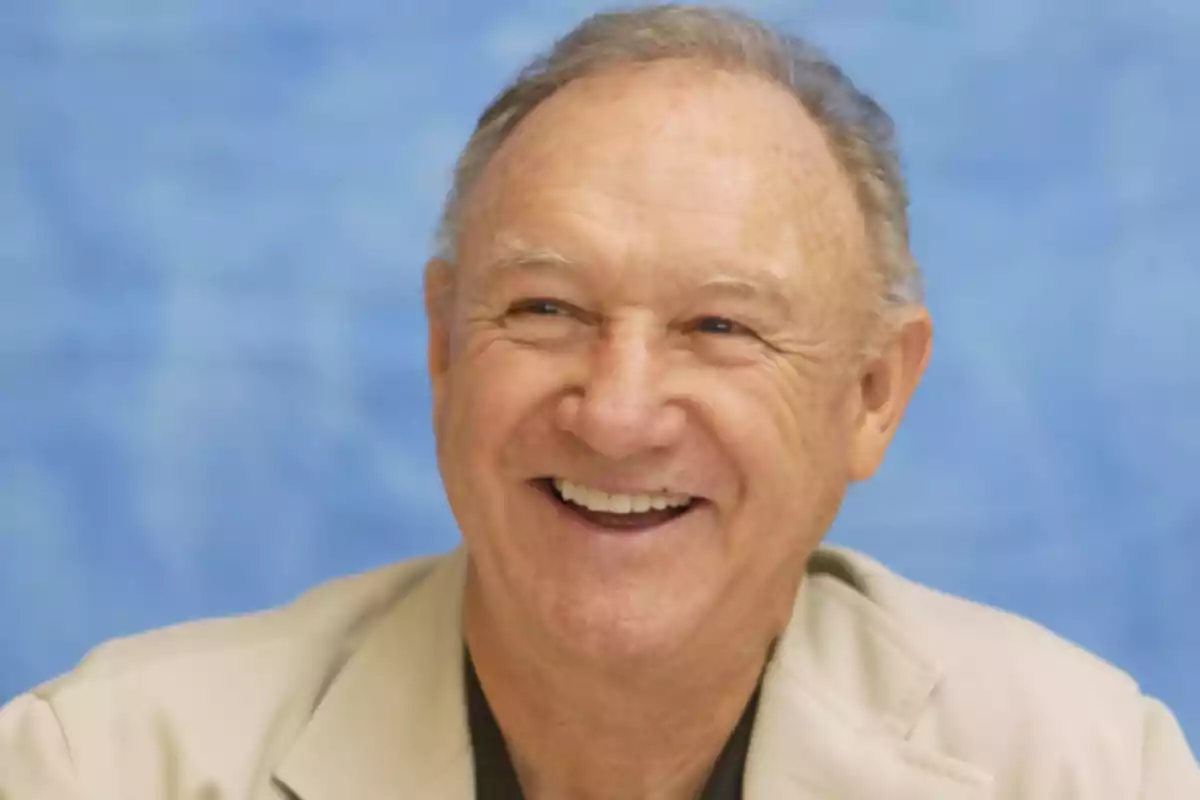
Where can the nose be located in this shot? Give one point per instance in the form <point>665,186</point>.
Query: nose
<point>620,408</point>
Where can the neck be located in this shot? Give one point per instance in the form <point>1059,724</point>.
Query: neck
<point>578,730</point>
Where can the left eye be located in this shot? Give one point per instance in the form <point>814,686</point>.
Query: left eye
<point>720,326</point>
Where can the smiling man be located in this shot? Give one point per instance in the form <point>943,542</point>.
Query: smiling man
<point>672,317</point>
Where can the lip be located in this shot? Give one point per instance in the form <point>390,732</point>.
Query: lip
<point>571,520</point>
<point>609,487</point>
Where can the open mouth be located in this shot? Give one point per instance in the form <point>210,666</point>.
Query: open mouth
<point>617,512</point>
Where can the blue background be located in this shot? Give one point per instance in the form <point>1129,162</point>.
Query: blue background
<point>212,221</point>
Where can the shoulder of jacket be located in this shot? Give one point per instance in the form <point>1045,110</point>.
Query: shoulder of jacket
<point>1043,716</point>
<point>966,636</point>
<point>320,625</point>
<point>213,703</point>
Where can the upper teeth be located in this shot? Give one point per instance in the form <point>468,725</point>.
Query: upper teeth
<point>596,500</point>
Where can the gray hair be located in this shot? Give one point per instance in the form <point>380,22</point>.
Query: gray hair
<point>859,132</point>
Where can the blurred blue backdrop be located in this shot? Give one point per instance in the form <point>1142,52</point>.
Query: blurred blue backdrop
<point>212,220</point>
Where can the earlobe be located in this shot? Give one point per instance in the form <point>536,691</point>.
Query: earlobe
<point>885,387</point>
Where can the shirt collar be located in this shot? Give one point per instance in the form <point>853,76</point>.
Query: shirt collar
<point>839,699</point>
<point>496,779</point>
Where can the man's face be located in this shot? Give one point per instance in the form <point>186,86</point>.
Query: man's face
<point>645,400</point>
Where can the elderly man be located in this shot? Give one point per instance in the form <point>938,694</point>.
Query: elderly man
<point>672,316</point>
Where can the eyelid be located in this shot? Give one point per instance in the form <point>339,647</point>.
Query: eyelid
<point>737,327</point>
<point>564,308</point>
<point>528,303</point>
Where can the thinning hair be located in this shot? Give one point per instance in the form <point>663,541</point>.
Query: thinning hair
<point>859,132</point>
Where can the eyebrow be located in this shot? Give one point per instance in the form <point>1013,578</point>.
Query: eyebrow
<point>529,259</point>
<point>767,287</point>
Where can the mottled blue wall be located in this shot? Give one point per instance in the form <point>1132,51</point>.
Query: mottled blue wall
<point>213,214</point>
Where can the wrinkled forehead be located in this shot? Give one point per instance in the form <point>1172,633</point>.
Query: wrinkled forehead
<point>669,164</point>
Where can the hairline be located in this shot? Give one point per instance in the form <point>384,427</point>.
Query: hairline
<point>858,136</point>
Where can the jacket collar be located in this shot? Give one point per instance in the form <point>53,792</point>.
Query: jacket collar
<point>840,697</point>
<point>393,721</point>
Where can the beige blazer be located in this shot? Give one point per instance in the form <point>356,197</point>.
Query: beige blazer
<point>879,688</point>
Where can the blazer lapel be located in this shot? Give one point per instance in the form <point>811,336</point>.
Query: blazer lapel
<point>393,722</point>
<point>840,698</point>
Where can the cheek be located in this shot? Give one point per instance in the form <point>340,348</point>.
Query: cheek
<point>493,388</point>
<point>783,427</point>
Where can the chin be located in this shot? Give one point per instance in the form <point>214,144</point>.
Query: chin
<point>607,626</point>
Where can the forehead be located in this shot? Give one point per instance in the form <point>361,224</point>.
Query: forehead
<point>672,165</point>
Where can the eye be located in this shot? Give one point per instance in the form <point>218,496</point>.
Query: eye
<point>538,307</point>
<point>720,326</point>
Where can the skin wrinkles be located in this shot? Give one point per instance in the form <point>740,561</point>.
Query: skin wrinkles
<point>764,301</point>
<point>642,204</point>
<point>787,355</point>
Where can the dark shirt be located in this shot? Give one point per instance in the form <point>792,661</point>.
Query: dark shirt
<point>495,778</point>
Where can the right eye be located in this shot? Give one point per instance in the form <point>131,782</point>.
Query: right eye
<point>538,307</point>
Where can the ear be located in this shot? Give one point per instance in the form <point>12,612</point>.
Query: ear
<point>439,302</point>
<point>884,386</point>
